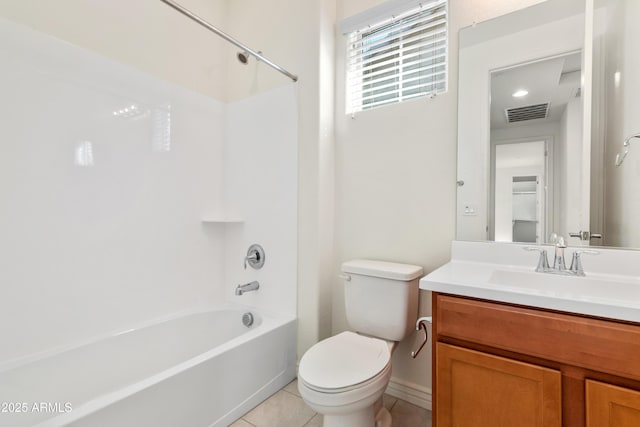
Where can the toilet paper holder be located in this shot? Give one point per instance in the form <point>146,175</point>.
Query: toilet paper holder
<point>421,323</point>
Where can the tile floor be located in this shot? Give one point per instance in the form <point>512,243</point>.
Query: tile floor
<point>287,409</point>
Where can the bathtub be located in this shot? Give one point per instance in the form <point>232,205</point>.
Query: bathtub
<point>202,368</point>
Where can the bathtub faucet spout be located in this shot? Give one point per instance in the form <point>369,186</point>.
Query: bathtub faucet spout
<point>252,286</point>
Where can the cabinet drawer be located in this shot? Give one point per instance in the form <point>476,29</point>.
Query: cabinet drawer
<point>596,344</point>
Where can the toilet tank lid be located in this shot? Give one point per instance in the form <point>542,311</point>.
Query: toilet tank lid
<point>383,269</point>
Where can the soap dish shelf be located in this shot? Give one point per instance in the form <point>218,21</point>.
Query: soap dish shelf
<point>222,220</point>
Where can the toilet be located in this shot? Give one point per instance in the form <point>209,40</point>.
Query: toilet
<point>343,377</point>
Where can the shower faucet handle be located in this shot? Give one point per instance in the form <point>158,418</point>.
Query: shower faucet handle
<point>250,258</point>
<point>255,257</point>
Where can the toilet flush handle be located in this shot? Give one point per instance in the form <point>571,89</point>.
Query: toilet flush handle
<point>345,277</point>
<point>421,323</point>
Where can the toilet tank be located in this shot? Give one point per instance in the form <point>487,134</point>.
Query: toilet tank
<point>381,298</point>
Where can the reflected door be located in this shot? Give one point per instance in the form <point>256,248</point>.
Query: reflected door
<point>519,192</point>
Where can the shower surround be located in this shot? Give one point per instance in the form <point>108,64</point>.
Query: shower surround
<point>127,198</point>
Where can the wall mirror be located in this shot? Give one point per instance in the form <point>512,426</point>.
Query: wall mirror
<point>546,103</point>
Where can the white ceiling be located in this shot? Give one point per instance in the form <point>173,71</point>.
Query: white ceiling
<point>554,80</point>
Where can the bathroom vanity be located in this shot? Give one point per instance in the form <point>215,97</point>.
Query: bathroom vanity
<point>512,346</point>
<point>515,347</point>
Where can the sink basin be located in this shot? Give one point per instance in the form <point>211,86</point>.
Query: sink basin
<point>503,272</point>
<point>574,287</point>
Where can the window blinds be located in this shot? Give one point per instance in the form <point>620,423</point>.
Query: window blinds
<point>398,58</point>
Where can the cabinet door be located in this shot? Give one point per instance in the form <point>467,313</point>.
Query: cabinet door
<point>611,406</point>
<point>476,389</point>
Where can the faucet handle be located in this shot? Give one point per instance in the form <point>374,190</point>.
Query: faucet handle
<point>251,258</point>
<point>255,257</point>
<point>586,252</point>
<point>576,263</point>
<point>543,262</point>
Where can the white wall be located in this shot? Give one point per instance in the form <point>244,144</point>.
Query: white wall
<point>395,183</point>
<point>104,241</point>
<point>571,178</point>
<point>622,184</point>
<point>536,130</point>
<point>145,34</point>
<point>260,187</point>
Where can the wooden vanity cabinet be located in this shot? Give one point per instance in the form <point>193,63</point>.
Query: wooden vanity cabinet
<point>503,365</point>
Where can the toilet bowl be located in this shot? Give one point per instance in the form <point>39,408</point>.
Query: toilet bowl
<point>344,377</point>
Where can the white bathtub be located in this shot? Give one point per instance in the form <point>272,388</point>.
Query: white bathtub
<point>199,369</point>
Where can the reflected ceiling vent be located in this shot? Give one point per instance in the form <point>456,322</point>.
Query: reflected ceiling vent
<point>529,112</point>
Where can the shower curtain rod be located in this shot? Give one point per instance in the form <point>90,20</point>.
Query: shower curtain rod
<point>228,38</point>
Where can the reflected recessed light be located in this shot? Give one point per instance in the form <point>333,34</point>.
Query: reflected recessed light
<point>520,93</point>
<point>131,111</point>
<point>616,79</point>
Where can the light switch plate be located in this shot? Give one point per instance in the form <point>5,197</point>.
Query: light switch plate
<point>470,210</point>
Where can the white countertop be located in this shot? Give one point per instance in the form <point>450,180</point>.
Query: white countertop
<point>506,273</point>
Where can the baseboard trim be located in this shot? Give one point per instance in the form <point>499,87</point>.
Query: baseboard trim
<point>412,393</point>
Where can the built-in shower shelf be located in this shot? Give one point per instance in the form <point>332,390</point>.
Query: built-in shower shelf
<point>221,220</point>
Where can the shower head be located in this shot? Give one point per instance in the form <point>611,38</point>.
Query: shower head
<point>243,57</point>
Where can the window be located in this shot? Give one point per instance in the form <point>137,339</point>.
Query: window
<point>398,58</point>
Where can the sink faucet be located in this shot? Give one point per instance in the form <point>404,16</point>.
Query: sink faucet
<point>559,266</point>
<point>251,286</point>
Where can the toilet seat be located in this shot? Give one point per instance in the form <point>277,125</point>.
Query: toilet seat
<point>343,390</point>
<point>344,362</point>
